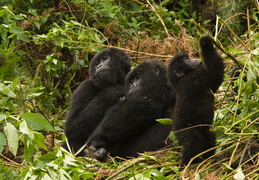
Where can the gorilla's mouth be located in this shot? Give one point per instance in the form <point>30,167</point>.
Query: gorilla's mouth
<point>103,72</point>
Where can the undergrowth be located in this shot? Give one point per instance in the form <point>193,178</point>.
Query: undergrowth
<point>44,53</point>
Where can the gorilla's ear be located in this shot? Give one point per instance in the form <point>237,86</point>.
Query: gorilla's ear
<point>178,73</point>
<point>157,70</point>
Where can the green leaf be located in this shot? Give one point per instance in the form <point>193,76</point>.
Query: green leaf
<point>172,137</point>
<point>250,75</point>
<point>50,156</point>
<point>17,30</point>
<point>37,24</point>
<point>23,37</point>
<point>2,142</point>
<point>29,148</point>
<point>2,117</point>
<point>12,137</point>
<point>165,121</point>
<point>7,91</point>
<point>46,177</point>
<point>37,122</point>
<point>25,130</point>
<point>39,140</point>
<point>47,67</point>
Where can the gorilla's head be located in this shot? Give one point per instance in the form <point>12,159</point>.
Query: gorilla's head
<point>181,64</point>
<point>146,78</point>
<point>109,67</point>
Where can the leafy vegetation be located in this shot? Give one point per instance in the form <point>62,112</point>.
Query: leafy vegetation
<point>45,47</point>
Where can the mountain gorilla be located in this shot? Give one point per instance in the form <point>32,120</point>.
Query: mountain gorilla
<point>96,95</point>
<point>193,82</point>
<point>130,126</point>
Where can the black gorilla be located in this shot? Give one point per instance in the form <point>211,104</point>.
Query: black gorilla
<point>96,95</point>
<point>130,126</point>
<point>193,82</point>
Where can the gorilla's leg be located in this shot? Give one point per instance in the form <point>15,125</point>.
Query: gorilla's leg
<point>210,139</point>
<point>192,142</point>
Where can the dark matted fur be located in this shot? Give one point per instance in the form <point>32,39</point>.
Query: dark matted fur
<point>130,126</point>
<point>96,95</point>
<point>193,83</point>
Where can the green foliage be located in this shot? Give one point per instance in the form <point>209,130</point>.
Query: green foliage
<point>18,131</point>
<point>165,121</point>
<point>58,165</point>
<point>6,173</point>
<point>37,122</point>
<point>45,47</point>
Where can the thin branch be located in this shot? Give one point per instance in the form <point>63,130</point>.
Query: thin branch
<point>218,45</point>
<point>159,17</point>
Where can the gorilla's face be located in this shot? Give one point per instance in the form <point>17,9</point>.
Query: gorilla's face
<point>181,64</point>
<point>109,67</point>
<point>104,73</point>
<point>145,78</point>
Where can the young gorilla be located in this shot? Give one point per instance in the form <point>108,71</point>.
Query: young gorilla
<point>193,82</point>
<point>130,126</point>
<point>96,95</point>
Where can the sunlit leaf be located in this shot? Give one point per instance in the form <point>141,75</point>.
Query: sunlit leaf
<point>2,117</point>
<point>2,142</point>
<point>12,137</point>
<point>165,121</point>
<point>37,122</point>
<point>239,175</point>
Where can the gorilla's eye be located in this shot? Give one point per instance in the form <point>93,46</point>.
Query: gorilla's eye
<point>131,80</point>
<point>105,57</point>
<point>97,62</point>
<point>137,76</point>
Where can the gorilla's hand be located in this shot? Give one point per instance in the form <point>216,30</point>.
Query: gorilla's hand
<point>99,154</point>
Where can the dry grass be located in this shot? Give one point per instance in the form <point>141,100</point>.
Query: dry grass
<point>143,47</point>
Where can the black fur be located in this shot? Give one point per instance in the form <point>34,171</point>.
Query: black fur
<point>96,95</point>
<point>193,82</point>
<point>130,125</point>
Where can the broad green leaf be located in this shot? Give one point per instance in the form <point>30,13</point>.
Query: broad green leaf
<point>37,24</point>
<point>7,91</point>
<point>47,67</point>
<point>55,61</point>
<point>50,156</point>
<point>2,117</point>
<point>17,30</point>
<point>23,37</point>
<point>25,130</point>
<point>39,140</point>
<point>2,142</point>
<point>12,137</point>
<point>35,94</point>
<point>165,121</point>
<point>37,122</point>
